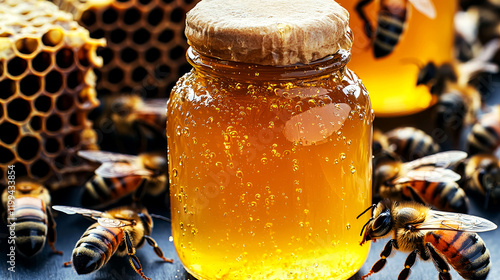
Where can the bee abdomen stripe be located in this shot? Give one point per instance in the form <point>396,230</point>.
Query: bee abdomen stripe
<point>31,229</point>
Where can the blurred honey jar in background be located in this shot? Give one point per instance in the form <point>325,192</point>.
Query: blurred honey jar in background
<point>393,40</point>
<point>269,140</point>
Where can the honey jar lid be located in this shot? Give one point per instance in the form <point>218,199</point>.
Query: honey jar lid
<point>277,32</point>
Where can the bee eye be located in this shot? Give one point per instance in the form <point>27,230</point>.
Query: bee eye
<point>381,225</point>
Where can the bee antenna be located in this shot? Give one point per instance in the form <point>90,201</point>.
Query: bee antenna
<point>364,226</point>
<point>371,207</point>
<point>161,217</point>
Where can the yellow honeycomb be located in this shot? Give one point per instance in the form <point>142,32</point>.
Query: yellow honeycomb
<point>146,47</point>
<point>46,91</point>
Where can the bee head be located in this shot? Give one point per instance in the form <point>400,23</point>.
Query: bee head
<point>380,223</point>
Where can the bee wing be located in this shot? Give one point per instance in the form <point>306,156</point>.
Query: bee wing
<point>108,222</point>
<point>426,7</point>
<point>103,156</point>
<point>153,111</point>
<point>429,175</point>
<point>439,220</point>
<point>70,210</point>
<point>442,159</point>
<point>120,169</point>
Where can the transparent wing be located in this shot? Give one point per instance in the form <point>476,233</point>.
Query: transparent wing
<point>442,159</point>
<point>103,156</point>
<point>120,169</point>
<point>156,104</point>
<point>70,210</point>
<point>426,7</point>
<point>439,220</point>
<point>108,222</point>
<point>153,112</point>
<point>434,174</point>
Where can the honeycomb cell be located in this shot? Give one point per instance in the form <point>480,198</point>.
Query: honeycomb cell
<point>41,62</point>
<point>162,71</point>
<point>167,1</point>
<point>36,123</point>
<point>115,75</point>
<point>40,169</point>
<point>64,102</point>
<point>28,147</point>
<point>177,15</point>
<point>53,81</point>
<point>52,38</point>
<point>88,18</point>
<point>7,88</point>
<point>76,119</point>
<point>166,36</point>
<point>65,58</point>
<point>6,155</point>
<point>117,36</point>
<point>30,85</point>
<point>26,45</point>
<point>16,66</point>
<point>145,2</point>
<point>20,169</point>
<point>131,16</point>
<point>139,74</point>
<point>152,55</point>
<point>106,54</point>
<point>10,132</point>
<point>109,16</point>
<point>141,36</point>
<point>43,103</point>
<point>129,55</point>
<point>75,79</point>
<point>97,34</point>
<point>155,17</point>
<point>18,109</point>
<point>71,140</point>
<point>1,70</point>
<point>177,52</point>
<point>53,123</point>
<point>52,145</point>
<point>1,111</point>
<point>83,56</point>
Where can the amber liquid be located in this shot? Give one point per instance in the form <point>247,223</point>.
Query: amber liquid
<point>252,197</point>
<point>392,80</point>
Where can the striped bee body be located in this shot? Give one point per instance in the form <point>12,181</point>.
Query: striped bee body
<point>464,251</point>
<point>483,139</point>
<point>447,195</point>
<point>391,23</point>
<point>411,143</point>
<point>100,191</point>
<point>95,248</point>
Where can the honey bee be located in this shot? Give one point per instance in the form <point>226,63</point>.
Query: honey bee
<point>118,231</point>
<point>481,175</point>
<point>32,216</point>
<point>425,180</point>
<point>391,22</point>
<point>411,143</point>
<point>485,134</point>
<point>120,175</point>
<point>444,237</point>
<point>129,121</point>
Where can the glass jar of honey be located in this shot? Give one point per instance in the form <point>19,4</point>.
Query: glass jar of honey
<point>394,40</point>
<point>269,143</point>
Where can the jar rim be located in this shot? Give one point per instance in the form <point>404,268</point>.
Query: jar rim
<point>240,70</point>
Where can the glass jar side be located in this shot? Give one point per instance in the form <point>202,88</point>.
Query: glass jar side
<point>267,177</point>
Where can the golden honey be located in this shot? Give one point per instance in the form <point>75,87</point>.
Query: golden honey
<point>392,80</point>
<point>269,167</point>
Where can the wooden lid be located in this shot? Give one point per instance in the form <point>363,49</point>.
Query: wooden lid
<point>277,32</point>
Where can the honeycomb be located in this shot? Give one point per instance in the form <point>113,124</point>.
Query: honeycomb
<point>46,92</point>
<point>146,47</point>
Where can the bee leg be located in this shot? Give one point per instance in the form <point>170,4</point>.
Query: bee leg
<point>410,261</point>
<point>51,231</point>
<point>439,263</point>
<point>157,249</point>
<point>383,258</point>
<point>360,10</point>
<point>134,261</point>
